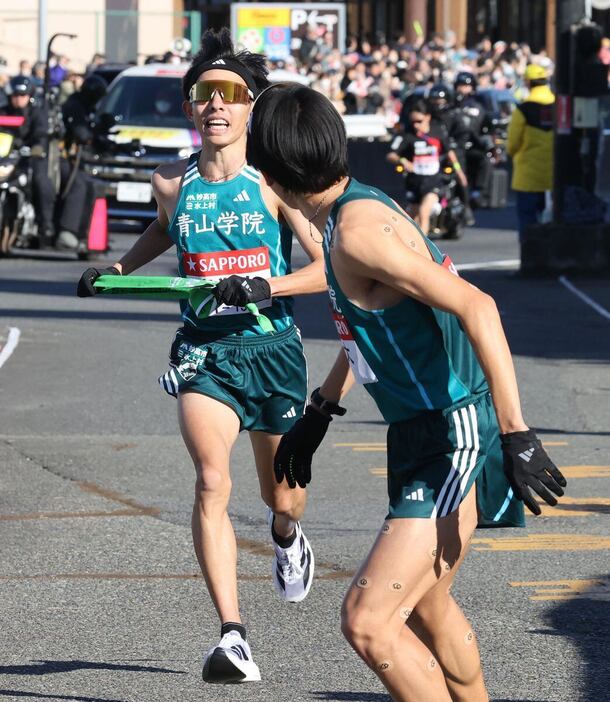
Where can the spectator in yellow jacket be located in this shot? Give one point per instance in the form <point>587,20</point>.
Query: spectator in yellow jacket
<point>530,144</point>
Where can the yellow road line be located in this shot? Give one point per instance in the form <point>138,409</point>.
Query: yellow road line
<point>381,445</point>
<point>570,472</point>
<point>583,507</point>
<point>544,542</point>
<point>360,443</point>
<point>544,590</point>
<point>585,471</point>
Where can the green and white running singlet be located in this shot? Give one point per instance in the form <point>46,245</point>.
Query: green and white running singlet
<point>221,229</point>
<point>420,368</point>
<point>225,228</point>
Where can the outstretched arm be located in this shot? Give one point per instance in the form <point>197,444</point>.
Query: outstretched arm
<point>152,243</point>
<point>155,239</point>
<point>295,451</point>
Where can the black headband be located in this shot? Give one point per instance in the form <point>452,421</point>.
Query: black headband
<point>228,64</point>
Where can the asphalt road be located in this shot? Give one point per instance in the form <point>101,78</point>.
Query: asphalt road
<point>99,594</point>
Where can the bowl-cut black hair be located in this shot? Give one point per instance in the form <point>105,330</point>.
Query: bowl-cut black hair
<point>298,138</point>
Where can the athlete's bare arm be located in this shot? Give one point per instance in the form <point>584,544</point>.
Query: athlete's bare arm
<point>310,278</point>
<point>155,240</point>
<point>370,254</point>
<point>339,380</point>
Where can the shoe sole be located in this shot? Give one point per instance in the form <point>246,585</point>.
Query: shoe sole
<point>220,670</point>
<point>303,595</point>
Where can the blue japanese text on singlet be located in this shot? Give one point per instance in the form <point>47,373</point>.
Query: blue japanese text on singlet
<point>221,229</point>
<point>410,357</point>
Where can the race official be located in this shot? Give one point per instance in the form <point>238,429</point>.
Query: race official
<point>530,144</point>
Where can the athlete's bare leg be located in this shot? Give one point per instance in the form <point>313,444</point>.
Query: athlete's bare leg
<point>425,210</point>
<point>441,625</point>
<point>287,504</point>
<point>409,559</point>
<point>209,429</point>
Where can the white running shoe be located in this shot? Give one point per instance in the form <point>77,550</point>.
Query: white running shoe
<point>293,566</point>
<point>230,662</point>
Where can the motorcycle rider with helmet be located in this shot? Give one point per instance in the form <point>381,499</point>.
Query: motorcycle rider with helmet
<point>419,152</point>
<point>65,209</point>
<point>477,163</point>
<point>441,101</point>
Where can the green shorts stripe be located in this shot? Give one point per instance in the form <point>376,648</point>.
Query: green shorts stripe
<point>435,459</point>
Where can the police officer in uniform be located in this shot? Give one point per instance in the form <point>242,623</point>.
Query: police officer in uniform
<point>441,99</point>
<point>66,208</point>
<point>476,119</point>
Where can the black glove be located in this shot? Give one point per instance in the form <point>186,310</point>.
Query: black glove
<point>85,284</point>
<point>527,465</point>
<point>237,291</point>
<point>297,446</point>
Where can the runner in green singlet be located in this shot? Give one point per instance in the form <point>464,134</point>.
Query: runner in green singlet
<point>229,375</point>
<point>430,350</point>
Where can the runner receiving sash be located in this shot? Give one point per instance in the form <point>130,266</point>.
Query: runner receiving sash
<point>227,373</point>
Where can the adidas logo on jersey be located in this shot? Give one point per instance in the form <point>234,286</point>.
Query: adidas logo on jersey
<point>416,495</point>
<point>526,455</point>
<point>242,197</point>
<point>291,413</point>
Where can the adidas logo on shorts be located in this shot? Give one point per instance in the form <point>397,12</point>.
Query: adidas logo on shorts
<point>291,413</point>
<point>417,495</point>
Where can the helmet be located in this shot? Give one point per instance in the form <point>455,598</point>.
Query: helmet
<point>21,85</point>
<point>465,78</point>
<point>440,97</point>
<point>533,71</point>
<point>93,90</point>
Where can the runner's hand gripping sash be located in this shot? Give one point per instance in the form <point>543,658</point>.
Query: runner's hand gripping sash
<point>239,291</point>
<point>199,292</point>
<point>527,465</point>
<point>297,447</point>
<point>86,287</point>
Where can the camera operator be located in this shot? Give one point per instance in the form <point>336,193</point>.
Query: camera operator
<point>440,99</point>
<point>419,152</point>
<point>475,117</point>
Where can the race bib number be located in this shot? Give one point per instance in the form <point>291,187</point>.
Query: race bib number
<point>359,365</point>
<point>216,265</point>
<point>426,165</point>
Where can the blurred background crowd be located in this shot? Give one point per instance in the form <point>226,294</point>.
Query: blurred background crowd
<point>372,77</point>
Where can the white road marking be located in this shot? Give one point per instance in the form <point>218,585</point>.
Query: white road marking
<point>503,263</point>
<point>585,298</point>
<point>10,346</point>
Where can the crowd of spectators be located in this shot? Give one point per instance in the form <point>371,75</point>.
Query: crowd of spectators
<point>371,77</point>
<point>375,77</point>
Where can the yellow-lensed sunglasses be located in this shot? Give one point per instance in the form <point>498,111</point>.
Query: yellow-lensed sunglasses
<point>230,92</point>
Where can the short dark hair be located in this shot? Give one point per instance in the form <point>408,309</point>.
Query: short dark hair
<point>298,138</point>
<point>215,45</point>
<point>420,105</point>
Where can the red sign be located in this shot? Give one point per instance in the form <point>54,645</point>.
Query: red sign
<point>219,264</point>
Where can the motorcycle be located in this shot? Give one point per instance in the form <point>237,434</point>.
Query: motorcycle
<point>18,226</point>
<point>18,221</point>
<point>447,219</point>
